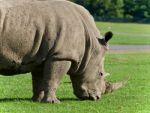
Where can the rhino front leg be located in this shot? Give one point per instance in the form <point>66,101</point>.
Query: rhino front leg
<point>37,79</point>
<point>53,73</point>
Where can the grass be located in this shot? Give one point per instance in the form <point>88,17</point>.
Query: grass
<point>126,33</point>
<point>15,91</point>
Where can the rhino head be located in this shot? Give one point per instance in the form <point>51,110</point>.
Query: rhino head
<point>91,84</point>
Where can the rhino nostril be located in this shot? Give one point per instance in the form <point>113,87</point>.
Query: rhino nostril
<point>94,97</point>
<point>98,97</point>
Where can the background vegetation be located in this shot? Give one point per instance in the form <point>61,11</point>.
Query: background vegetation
<point>118,10</point>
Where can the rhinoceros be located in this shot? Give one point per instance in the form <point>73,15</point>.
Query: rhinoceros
<point>51,38</point>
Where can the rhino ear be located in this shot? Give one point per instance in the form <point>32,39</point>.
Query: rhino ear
<point>102,41</point>
<point>108,36</point>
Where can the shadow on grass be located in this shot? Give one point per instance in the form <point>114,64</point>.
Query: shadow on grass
<point>68,99</point>
<point>30,100</point>
<point>14,99</point>
<point>68,82</point>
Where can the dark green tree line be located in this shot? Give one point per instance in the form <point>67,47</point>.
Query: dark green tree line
<point>121,9</point>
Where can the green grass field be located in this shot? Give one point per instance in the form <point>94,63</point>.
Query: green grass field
<point>15,92</point>
<point>126,33</point>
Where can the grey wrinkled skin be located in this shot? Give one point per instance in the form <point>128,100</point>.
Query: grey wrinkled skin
<point>51,38</point>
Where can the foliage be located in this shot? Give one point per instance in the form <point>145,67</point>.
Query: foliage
<point>110,9</point>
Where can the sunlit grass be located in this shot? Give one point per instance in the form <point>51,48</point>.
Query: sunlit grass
<point>16,91</point>
<point>126,33</point>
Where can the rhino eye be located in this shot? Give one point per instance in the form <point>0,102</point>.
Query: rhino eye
<point>101,74</point>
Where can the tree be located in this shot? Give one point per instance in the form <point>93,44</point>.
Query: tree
<point>108,9</point>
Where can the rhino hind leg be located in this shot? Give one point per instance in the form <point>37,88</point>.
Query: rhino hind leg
<point>53,73</point>
<point>37,79</point>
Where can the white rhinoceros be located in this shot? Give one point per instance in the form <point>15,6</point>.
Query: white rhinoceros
<point>51,38</point>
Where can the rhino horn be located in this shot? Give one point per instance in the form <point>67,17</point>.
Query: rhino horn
<point>114,86</point>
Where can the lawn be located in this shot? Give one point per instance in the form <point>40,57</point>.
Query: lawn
<point>15,92</point>
<point>126,33</point>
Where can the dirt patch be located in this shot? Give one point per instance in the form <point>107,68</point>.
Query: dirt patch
<point>129,49</point>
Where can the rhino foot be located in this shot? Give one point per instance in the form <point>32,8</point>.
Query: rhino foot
<point>51,100</point>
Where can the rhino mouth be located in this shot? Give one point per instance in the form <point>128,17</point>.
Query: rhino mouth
<point>89,97</point>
